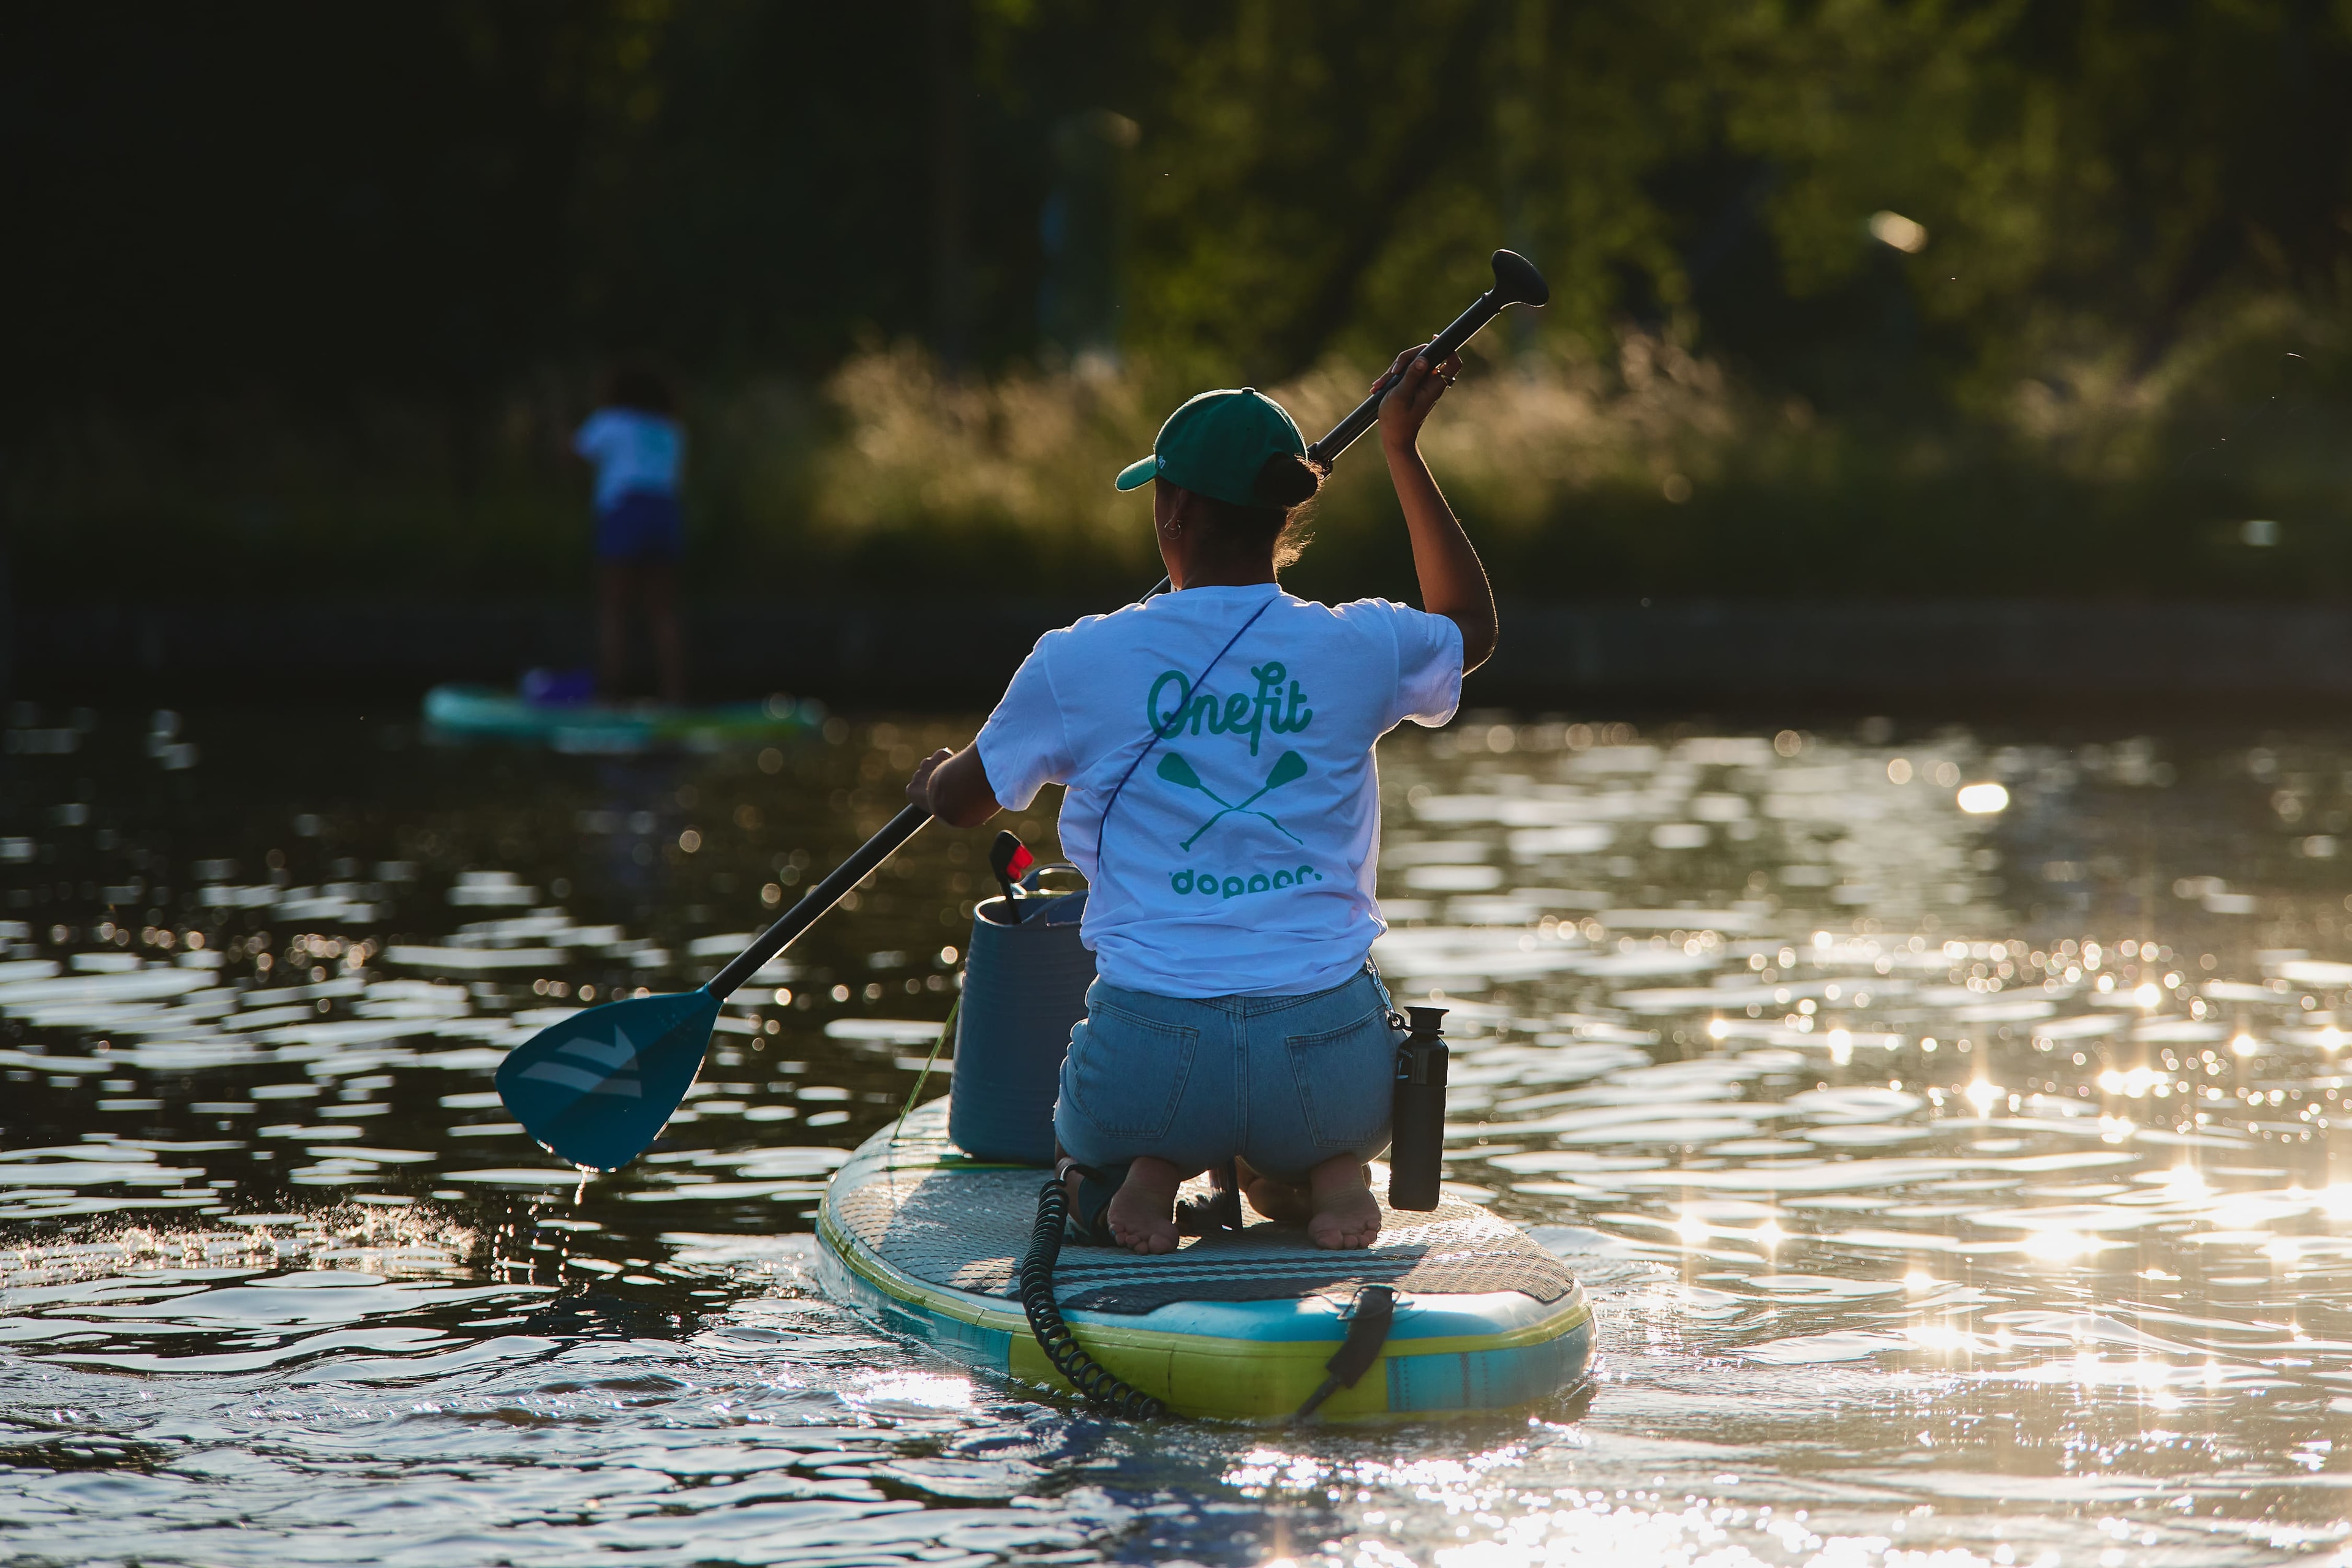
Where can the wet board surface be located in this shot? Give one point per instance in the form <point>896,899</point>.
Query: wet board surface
<point>934,1240</point>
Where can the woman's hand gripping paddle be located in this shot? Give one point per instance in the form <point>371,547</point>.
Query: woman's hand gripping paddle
<point>1517,282</point>
<point>597,1089</point>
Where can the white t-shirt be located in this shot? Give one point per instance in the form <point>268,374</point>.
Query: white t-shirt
<point>1239,857</point>
<point>633,451</point>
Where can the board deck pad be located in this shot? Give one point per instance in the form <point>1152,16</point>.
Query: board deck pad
<point>926,1211</point>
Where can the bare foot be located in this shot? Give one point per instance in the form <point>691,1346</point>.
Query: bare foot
<point>1277,1201</point>
<point>1142,1214</point>
<point>1345,1216</point>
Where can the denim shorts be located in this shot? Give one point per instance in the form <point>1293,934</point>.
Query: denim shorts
<point>1285,1082</point>
<point>643,525</point>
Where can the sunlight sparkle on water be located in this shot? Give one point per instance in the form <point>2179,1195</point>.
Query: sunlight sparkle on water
<point>917,1390</point>
<point>2057,1246</point>
<point>1983,799</point>
<point>287,1165</point>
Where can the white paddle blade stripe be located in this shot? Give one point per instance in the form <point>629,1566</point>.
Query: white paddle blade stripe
<point>583,1080</point>
<point>612,1057</point>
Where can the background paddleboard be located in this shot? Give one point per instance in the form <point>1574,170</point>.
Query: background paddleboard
<point>461,713</point>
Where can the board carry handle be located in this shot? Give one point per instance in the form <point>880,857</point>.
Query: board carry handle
<point>1368,1331</point>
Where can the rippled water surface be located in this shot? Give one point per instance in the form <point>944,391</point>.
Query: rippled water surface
<point>1953,1187</point>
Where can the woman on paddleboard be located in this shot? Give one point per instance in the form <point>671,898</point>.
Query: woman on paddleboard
<point>636,447</point>
<point>1216,742</point>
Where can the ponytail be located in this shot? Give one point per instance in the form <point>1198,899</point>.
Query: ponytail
<point>1286,484</point>
<point>1287,480</point>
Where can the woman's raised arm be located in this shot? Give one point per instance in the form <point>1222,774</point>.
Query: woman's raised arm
<point>1452,579</point>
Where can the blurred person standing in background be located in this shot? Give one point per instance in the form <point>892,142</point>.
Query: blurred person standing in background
<point>634,442</point>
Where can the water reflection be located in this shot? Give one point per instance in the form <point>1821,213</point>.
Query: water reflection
<point>1952,1167</point>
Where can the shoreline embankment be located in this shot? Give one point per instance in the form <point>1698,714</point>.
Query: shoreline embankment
<point>1982,657</point>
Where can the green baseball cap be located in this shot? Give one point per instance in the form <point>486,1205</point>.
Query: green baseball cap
<point>1216,443</point>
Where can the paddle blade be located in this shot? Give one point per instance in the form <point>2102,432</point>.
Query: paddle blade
<point>1288,768</point>
<point>1177,771</point>
<point>596,1089</point>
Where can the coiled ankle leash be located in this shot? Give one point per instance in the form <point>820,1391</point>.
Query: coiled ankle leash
<point>1095,1382</point>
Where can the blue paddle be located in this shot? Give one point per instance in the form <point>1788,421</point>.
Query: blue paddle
<point>597,1089</point>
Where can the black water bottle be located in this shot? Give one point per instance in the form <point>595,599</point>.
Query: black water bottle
<point>1417,1136</point>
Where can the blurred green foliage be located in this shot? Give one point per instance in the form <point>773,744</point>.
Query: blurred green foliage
<point>1922,297</point>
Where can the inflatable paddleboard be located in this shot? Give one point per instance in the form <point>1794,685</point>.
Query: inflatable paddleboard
<point>489,713</point>
<point>1235,1325</point>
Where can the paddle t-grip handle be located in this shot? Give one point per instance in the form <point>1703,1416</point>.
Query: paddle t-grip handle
<point>818,899</point>
<point>1517,282</point>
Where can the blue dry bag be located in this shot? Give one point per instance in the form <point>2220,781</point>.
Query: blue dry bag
<point>1024,985</point>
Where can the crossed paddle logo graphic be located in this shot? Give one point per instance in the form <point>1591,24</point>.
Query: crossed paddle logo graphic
<point>1288,768</point>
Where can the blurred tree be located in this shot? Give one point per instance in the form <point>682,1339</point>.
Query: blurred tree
<point>310,197</point>
<point>1083,234</point>
<point>1924,214</point>
<point>449,193</point>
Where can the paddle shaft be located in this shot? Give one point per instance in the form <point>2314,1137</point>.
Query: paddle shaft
<point>1464,327</point>
<point>818,899</point>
